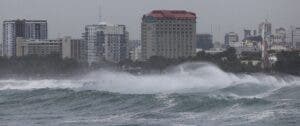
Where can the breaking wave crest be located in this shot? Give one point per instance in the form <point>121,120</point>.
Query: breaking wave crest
<point>187,77</point>
<point>189,94</point>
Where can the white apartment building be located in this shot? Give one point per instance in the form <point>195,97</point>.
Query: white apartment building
<point>28,29</point>
<point>106,42</point>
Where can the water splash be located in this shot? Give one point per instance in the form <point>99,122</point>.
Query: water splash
<point>189,94</point>
<point>188,77</point>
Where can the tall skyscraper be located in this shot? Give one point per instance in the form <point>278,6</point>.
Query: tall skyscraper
<point>106,42</point>
<point>265,29</point>
<point>168,33</point>
<point>28,29</point>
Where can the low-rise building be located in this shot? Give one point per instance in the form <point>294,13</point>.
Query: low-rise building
<point>136,53</point>
<point>251,44</point>
<point>278,47</point>
<point>252,62</point>
<point>35,47</point>
<point>135,50</point>
<point>279,36</point>
<point>232,40</point>
<point>204,41</point>
<point>215,50</point>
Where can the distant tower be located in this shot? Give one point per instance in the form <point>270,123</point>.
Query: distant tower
<point>264,29</point>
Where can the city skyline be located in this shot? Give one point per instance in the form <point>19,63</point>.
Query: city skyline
<point>68,19</point>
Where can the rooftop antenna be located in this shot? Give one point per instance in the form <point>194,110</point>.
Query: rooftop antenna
<point>100,12</point>
<point>211,28</point>
<point>219,32</point>
<point>268,15</point>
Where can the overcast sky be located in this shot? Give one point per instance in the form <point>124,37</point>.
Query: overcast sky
<point>68,17</point>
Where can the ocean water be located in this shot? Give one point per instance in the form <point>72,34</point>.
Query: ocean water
<point>192,94</point>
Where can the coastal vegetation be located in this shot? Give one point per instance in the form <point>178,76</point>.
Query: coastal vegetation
<point>287,63</point>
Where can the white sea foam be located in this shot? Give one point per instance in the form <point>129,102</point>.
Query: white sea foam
<point>185,77</point>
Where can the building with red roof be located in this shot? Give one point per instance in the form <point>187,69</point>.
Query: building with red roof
<point>172,14</point>
<point>168,33</point>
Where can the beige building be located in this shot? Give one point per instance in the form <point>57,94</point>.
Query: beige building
<point>25,47</point>
<point>168,33</point>
<point>71,48</point>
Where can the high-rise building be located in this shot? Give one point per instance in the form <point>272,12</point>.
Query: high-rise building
<point>231,39</point>
<point>168,33</point>
<point>28,29</point>
<point>204,41</point>
<point>296,38</point>
<point>265,29</point>
<point>106,42</point>
<point>94,39</point>
<point>71,48</point>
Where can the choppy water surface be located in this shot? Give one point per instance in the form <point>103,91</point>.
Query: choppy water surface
<point>190,94</point>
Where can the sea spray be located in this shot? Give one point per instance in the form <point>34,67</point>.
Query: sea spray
<point>189,94</point>
<point>186,77</point>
